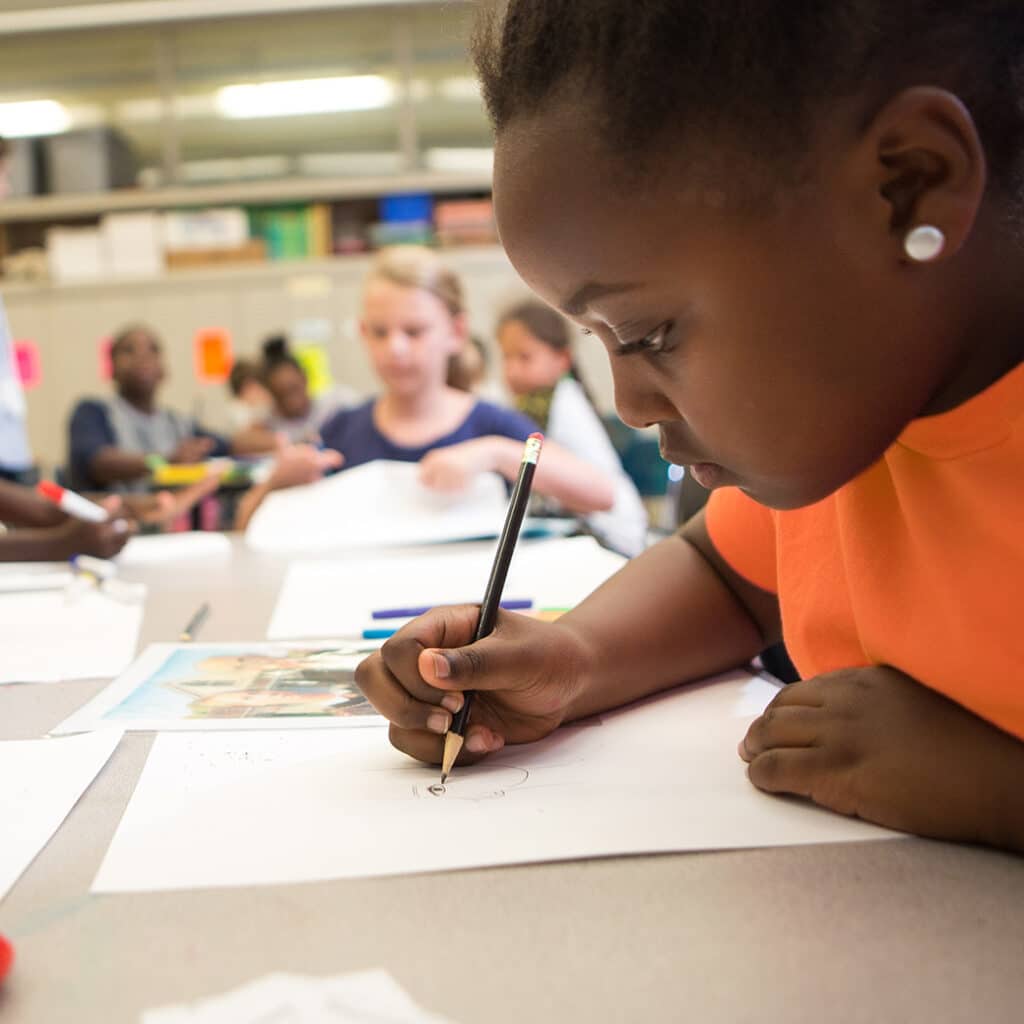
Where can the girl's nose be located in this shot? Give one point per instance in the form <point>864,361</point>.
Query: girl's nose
<point>638,403</point>
<point>398,343</point>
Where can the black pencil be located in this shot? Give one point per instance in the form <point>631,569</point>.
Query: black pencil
<point>495,585</point>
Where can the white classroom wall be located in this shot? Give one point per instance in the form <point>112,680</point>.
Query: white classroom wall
<point>67,322</point>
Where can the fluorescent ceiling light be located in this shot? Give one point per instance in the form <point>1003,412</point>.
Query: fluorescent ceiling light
<point>33,117</point>
<point>305,96</point>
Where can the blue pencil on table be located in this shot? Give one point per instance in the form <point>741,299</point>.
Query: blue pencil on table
<point>510,605</point>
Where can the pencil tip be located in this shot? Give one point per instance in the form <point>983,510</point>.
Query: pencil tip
<point>444,778</point>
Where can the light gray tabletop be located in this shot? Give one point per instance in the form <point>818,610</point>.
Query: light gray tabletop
<point>894,931</point>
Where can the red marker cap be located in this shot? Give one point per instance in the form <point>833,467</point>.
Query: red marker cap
<point>48,489</point>
<point>6,957</point>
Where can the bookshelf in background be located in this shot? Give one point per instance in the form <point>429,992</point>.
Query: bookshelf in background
<point>146,243</point>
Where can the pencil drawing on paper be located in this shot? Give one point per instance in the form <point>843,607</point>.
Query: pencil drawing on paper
<point>483,782</point>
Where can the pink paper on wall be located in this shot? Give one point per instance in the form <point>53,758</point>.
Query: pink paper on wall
<point>106,364</point>
<point>29,364</point>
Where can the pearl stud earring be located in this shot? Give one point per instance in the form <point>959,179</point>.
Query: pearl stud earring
<point>924,243</point>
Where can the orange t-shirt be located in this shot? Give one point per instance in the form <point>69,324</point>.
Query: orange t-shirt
<point>918,563</point>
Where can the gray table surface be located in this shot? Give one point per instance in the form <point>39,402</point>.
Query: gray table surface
<point>875,932</point>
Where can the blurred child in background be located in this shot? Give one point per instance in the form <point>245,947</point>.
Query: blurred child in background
<point>539,370</point>
<point>251,404</point>
<point>413,322</point>
<point>296,416</point>
<point>113,443</point>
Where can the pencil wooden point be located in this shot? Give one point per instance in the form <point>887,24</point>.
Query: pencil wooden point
<point>188,634</point>
<point>452,745</point>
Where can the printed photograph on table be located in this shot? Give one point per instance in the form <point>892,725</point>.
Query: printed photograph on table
<point>226,686</point>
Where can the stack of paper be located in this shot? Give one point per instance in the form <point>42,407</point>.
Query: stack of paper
<point>338,598</point>
<point>58,635</point>
<point>40,781</point>
<point>380,504</point>
<point>368,997</point>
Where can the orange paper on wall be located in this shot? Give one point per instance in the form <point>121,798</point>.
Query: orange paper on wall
<point>213,358</point>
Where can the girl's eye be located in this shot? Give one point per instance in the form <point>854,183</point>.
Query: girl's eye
<point>652,342</point>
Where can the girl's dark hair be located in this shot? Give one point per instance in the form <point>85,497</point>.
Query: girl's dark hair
<point>541,321</point>
<point>549,327</point>
<point>276,352</point>
<point>756,73</point>
<point>125,334</point>
<point>243,371</point>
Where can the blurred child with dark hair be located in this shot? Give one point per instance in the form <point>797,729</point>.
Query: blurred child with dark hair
<point>296,415</point>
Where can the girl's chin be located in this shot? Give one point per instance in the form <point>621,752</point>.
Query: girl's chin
<point>404,384</point>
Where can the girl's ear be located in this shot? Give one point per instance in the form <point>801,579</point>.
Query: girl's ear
<point>929,166</point>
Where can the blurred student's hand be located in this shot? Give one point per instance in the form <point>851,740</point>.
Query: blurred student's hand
<point>302,464</point>
<point>164,507</point>
<point>452,469</point>
<point>192,449</point>
<point>526,674</point>
<point>104,540</point>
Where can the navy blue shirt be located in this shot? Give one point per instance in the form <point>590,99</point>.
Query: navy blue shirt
<point>94,425</point>
<point>353,433</point>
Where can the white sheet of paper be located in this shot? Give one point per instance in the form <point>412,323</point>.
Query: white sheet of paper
<point>364,997</point>
<point>379,504</point>
<point>217,810</point>
<point>49,636</point>
<point>337,597</point>
<point>163,548</point>
<point>20,578</point>
<point>222,687</point>
<point>40,781</point>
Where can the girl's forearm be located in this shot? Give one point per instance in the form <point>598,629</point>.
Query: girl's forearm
<point>666,618</point>
<point>576,485</point>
